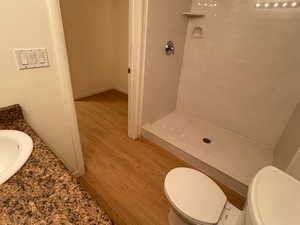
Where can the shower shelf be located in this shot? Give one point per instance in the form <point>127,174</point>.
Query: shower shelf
<point>193,14</point>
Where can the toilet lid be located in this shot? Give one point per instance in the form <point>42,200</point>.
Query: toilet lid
<point>194,195</point>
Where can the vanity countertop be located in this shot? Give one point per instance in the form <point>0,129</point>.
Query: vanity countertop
<point>43,191</point>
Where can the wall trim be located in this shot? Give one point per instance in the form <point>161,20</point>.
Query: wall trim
<point>61,59</point>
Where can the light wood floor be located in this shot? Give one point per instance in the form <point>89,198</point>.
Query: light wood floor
<point>125,176</point>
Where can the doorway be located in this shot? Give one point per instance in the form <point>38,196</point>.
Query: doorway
<point>109,53</point>
<point>97,40</point>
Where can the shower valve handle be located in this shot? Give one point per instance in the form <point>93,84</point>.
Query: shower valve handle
<point>170,48</point>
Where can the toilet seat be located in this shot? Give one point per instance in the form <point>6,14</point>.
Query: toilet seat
<point>194,195</point>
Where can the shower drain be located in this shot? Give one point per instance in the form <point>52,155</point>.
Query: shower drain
<point>206,140</point>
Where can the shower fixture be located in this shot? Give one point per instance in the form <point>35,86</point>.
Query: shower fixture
<point>170,48</point>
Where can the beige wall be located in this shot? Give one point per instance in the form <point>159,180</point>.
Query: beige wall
<point>97,39</point>
<point>120,12</point>
<point>88,30</point>
<point>243,74</point>
<point>289,142</point>
<point>165,22</point>
<point>25,24</point>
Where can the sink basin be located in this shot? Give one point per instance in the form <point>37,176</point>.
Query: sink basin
<point>15,149</point>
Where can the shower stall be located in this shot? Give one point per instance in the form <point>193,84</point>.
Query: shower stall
<point>223,100</point>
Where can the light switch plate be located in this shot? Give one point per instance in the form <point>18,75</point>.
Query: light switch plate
<point>29,58</point>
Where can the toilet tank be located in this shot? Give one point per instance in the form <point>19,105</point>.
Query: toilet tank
<point>273,199</point>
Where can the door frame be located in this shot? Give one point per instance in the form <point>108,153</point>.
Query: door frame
<point>138,21</point>
<point>68,105</point>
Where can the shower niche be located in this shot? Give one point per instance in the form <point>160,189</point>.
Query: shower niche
<point>197,32</point>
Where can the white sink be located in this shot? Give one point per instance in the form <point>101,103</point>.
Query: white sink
<point>15,149</point>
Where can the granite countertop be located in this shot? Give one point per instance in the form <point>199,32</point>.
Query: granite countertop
<point>43,191</point>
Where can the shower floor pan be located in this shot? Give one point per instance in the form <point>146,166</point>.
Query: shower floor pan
<point>225,156</point>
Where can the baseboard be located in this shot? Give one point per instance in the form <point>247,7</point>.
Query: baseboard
<point>77,98</point>
<point>125,92</point>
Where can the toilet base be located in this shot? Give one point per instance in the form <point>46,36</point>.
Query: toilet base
<point>174,219</point>
<point>230,216</point>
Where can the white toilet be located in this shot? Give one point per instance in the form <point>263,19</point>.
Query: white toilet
<point>273,199</point>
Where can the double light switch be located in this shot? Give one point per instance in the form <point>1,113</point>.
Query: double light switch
<point>31,58</point>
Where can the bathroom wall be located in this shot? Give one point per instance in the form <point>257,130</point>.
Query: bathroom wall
<point>243,73</point>
<point>88,29</point>
<point>25,24</point>
<point>120,12</point>
<point>97,39</point>
<point>289,142</point>
<point>165,22</point>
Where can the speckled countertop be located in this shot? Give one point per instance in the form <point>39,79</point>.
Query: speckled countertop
<point>43,191</point>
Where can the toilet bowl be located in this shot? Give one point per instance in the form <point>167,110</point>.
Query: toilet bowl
<point>197,200</point>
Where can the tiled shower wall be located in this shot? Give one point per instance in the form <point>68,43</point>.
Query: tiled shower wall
<point>243,73</point>
<point>162,72</point>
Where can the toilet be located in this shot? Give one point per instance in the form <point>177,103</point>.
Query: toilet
<point>197,200</point>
